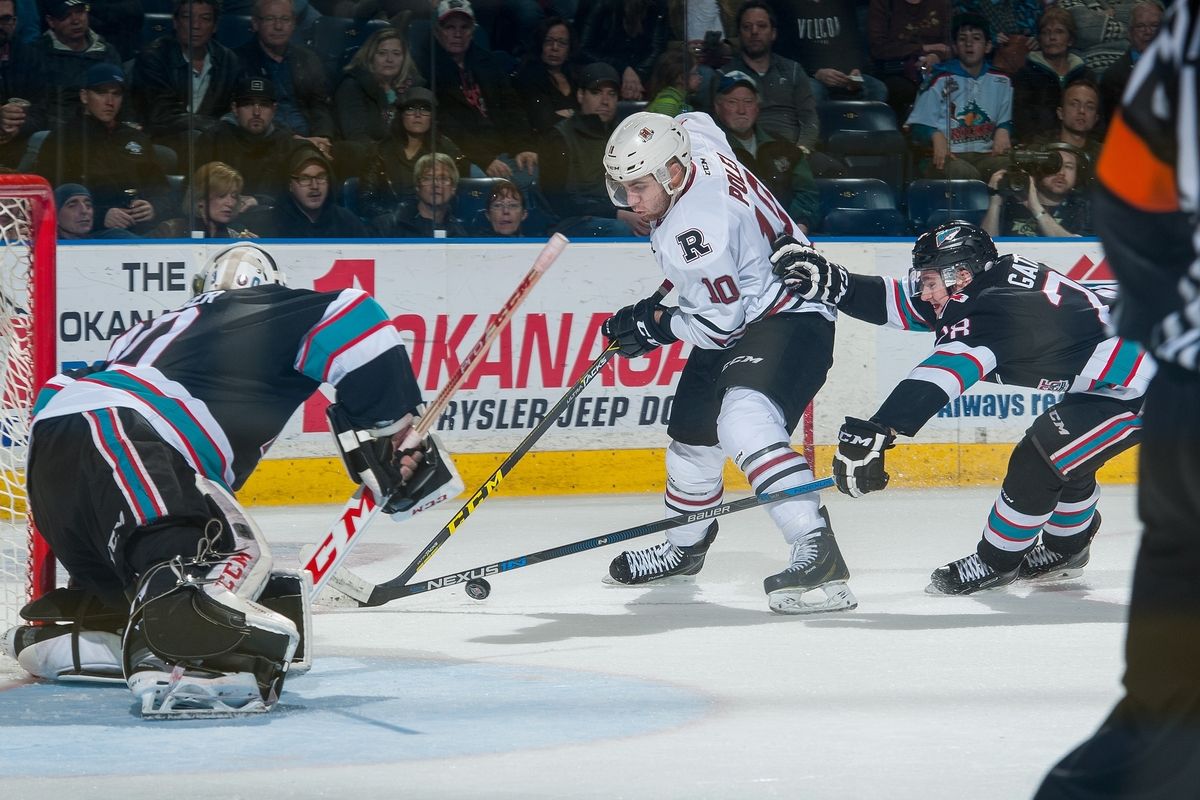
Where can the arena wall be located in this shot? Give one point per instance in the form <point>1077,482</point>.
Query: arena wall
<point>441,294</point>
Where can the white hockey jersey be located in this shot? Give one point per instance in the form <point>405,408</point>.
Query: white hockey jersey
<point>715,245</point>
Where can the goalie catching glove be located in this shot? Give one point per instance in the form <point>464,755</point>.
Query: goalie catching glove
<point>636,331</point>
<point>404,473</point>
<point>858,463</point>
<point>806,273</point>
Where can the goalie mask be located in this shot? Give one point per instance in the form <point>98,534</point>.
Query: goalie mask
<point>238,267</point>
<point>644,144</point>
<point>948,248</point>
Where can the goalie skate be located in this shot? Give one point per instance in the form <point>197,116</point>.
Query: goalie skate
<point>1044,565</point>
<point>815,580</point>
<point>660,562</point>
<point>182,694</point>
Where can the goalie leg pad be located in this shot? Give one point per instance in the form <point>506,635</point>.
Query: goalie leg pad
<point>76,638</point>
<point>289,592</point>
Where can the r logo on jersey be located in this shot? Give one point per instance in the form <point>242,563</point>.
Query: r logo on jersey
<point>692,242</point>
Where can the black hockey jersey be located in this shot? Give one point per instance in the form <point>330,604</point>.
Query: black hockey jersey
<point>1019,323</point>
<point>219,377</point>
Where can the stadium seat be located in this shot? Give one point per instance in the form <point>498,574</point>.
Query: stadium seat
<point>155,26</point>
<point>627,107</point>
<point>472,195</point>
<point>859,207</point>
<point>233,30</point>
<point>349,198</point>
<point>167,158</point>
<point>330,39</point>
<point>932,202</point>
<point>865,137</point>
<point>32,148</point>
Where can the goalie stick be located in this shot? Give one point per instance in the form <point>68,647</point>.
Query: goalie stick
<point>367,594</point>
<point>362,508</point>
<point>385,593</point>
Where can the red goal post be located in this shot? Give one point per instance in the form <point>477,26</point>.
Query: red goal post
<point>28,336</point>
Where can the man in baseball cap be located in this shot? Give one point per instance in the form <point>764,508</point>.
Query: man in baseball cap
<point>448,8</point>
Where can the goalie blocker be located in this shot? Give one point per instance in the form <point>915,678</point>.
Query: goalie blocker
<point>406,473</point>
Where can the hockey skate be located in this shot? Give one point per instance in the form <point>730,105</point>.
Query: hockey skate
<point>1044,565</point>
<point>664,560</point>
<point>968,576</point>
<point>815,580</point>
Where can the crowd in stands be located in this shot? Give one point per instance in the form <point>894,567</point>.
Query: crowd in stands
<point>454,118</point>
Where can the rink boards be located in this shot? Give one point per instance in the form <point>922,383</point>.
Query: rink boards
<point>440,295</point>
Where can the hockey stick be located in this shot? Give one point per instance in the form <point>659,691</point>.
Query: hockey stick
<point>367,594</point>
<point>386,593</point>
<point>362,508</point>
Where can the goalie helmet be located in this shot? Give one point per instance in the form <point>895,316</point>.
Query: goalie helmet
<point>239,266</point>
<point>949,247</point>
<point>644,144</point>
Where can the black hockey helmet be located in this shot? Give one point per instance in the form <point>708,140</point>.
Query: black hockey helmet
<point>949,247</point>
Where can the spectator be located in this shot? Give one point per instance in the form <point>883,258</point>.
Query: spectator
<point>1047,205</point>
<point>17,82</point>
<point>675,77</point>
<point>184,82</point>
<point>1101,30</point>
<point>76,216</point>
<point>1038,86</point>
<point>63,54</point>
<point>1144,21</point>
<point>628,35</point>
<point>430,213</point>
<point>1079,119</point>
<point>120,23</point>
<point>505,211</point>
<point>112,158</point>
<point>1013,24</point>
<point>786,105</point>
<point>965,113</point>
<point>250,141</point>
<point>411,138</point>
<point>826,39</point>
<point>780,164</point>
<point>704,28</point>
<point>907,39</point>
<point>545,81</point>
<point>378,75</point>
<point>573,177</point>
<point>211,205</point>
<point>302,92</point>
<point>307,210</point>
<point>478,107</point>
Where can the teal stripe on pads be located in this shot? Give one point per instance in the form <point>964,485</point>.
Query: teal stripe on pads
<point>1067,519</point>
<point>127,475</point>
<point>1081,454</point>
<point>175,415</point>
<point>331,337</point>
<point>965,367</point>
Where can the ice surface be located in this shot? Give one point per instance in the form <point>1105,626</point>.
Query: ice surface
<point>558,686</point>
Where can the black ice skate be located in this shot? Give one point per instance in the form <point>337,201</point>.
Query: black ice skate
<point>817,570</point>
<point>660,561</point>
<point>968,576</point>
<point>1044,564</point>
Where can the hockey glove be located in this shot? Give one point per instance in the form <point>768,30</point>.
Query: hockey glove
<point>806,273</point>
<point>433,479</point>
<point>858,463</point>
<point>635,330</point>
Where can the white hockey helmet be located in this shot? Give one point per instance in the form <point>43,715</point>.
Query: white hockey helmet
<point>644,144</point>
<point>238,267</point>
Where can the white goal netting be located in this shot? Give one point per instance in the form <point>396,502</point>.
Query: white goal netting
<point>18,380</point>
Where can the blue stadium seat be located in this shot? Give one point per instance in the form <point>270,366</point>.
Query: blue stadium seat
<point>932,202</point>
<point>859,207</point>
<point>233,31</point>
<point>349,198</point>
<point>627,107</point>
<point>864,222</point>
<point>472,195</point>
<point>330,40</point>
<point>155,26</point>
<point>32,148</point>
<point>865,137</point>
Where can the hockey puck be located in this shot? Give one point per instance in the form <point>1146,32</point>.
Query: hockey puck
<point>478,589</point>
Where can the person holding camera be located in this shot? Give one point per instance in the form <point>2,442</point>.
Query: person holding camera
<point>1041,200</point>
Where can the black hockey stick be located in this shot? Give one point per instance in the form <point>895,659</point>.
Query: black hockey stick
<point>368,594</point>
<point>386,592</point>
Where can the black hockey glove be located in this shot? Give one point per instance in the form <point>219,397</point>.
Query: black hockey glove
<point>806,273</point>
<point>858,463</point>
<point>634,330</point>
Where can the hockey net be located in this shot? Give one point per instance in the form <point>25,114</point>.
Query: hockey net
<point>27,359</point>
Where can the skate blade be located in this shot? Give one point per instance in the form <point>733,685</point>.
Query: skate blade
<point>936,592</point>
<point>1058,576</point>
<point>202,713</point>
<point>834,596</point>
<point>672,580</point>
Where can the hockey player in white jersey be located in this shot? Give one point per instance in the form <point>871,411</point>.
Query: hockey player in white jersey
<point>759,354</point>
<point>131,471</point>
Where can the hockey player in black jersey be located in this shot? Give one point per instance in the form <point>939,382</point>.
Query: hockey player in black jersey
<point>131,471</point>
<point>1008,320</point>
